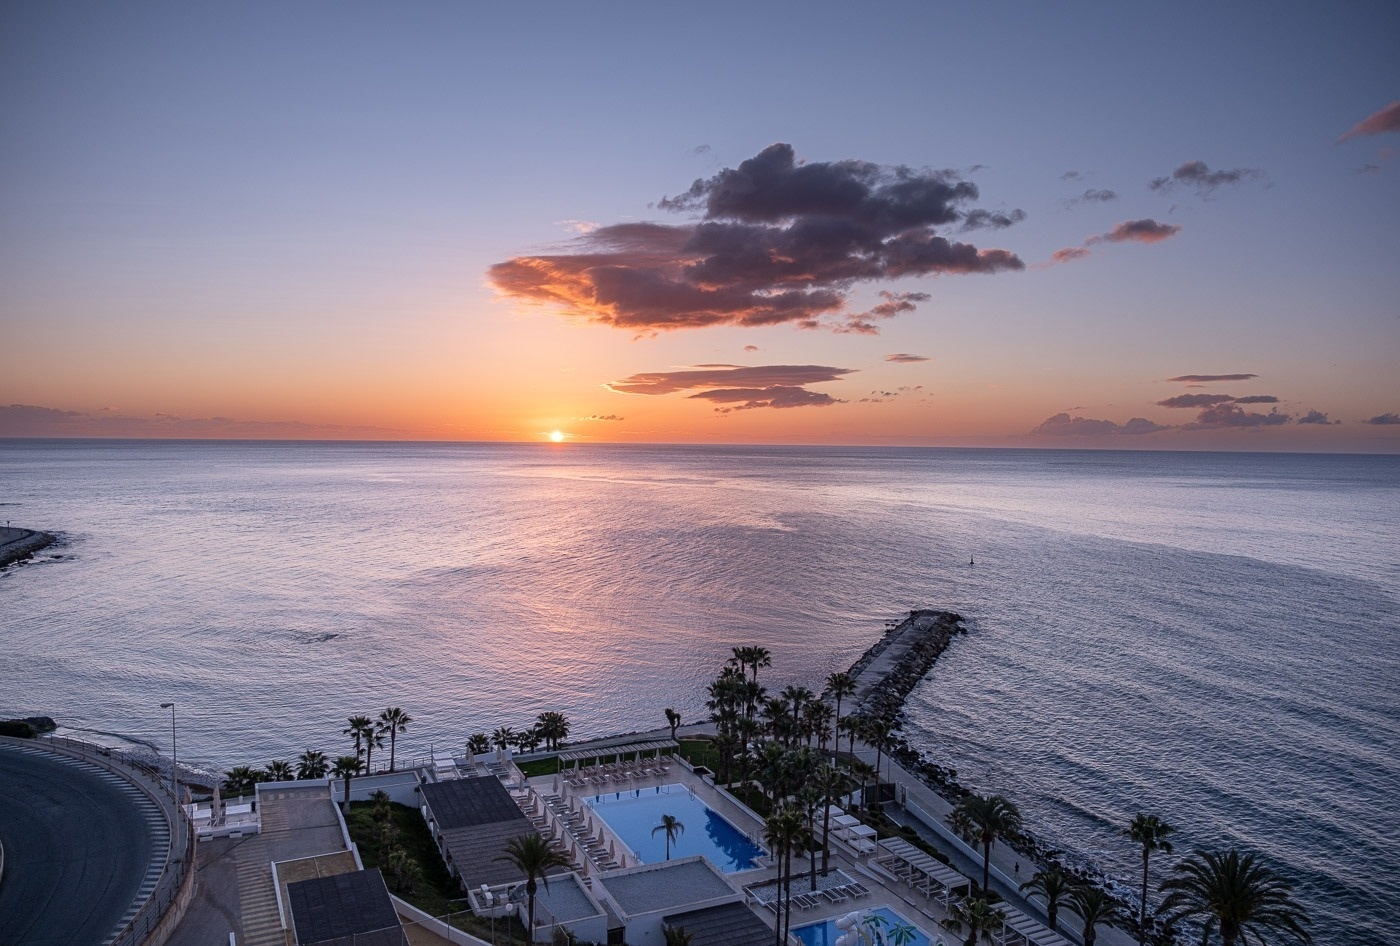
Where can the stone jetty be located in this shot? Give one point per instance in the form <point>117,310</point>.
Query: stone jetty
<point>18,544</point>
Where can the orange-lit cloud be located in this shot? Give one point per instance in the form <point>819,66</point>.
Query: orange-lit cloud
<point>1145,230</point>
<point>1385,120</point>
<point>1063,425</point>
<point>779,242</point>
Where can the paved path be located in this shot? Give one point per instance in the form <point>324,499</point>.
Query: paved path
<point>84,848</point>
<point>235,874</point>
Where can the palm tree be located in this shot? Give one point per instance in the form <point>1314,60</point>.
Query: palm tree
<point>877,733</point>
<point>830,780</point>
<point>783,831</point>
<point>477,743</point>
<point>552,727</point>
<point>1234,894</point>
<point>673,719</point>
<point>1151,832</point>
<point>850,725</point>
<point>1053,887</point>
<point>346,767</point>
<point>279,771</point>
<point>677,936</point>
<point>976,917</point>
<point>240,780</point>
<point>393,721</point>
<point>312,764</point>
<point>532,856</point>
<point>1094,907</point>
<point>673,828</point>
<point>502,737</point>
<point>359,728</point>
<point>982,819</point>
<point>840,684</point>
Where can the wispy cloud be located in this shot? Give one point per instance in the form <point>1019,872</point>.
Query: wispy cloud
<point>739,387</point>
<point>904,358</point>
<point>1063,425</point>
<point>1093,196</point>
<point>778,241</point>
<point>1197,176</point>
<point>611,418</point>
<point>1195,400</point>
<point>1205,378</point>
<point>27,420</point>
<point>1377,123</point>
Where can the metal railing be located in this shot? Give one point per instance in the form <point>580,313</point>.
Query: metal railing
<point>177,876</point>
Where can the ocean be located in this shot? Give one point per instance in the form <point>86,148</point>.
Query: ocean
<point>1208,637</point>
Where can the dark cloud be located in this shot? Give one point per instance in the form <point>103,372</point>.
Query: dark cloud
<point>1369,169</point>
<point>1071,176</point>
<point>779,242</point>
<point>1069,254</point>
<point>1390,417</point>
<point>864,322</point>
<point>614,418</point>
<point>991,219</point>
<point>1197,176</point>
<point>778,396</point>
<point>1063,425</point>
<point>1386,120</point>
<point>1195,400</point>
<point>1093,196</point>
<point>750,348</point>
<point>1257,399</point>
<point>903,358</point>
<point>746,387</point>
<point>1146,230</point>
<point>1316,417</point>
<point>1228,415</point>
<point>700,149</point>
<point>1214,377</point>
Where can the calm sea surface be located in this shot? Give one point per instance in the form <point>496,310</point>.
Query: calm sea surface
<point>1209,637</point>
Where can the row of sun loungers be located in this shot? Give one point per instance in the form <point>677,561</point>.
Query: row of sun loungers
<point>808,900</point>
<point>593,845</point>
<point>624,772</point>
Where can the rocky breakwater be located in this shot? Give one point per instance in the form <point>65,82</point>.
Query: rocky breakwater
<point>18,544</point>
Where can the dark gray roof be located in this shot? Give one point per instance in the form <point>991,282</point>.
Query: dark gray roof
<point>464,802</point>
<point>732,924</point>
<point>473,851</point>
<point>345,907</point>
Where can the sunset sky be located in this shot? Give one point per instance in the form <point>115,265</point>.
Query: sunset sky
<point>1005,224</point>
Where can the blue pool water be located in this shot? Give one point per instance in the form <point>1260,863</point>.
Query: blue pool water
<point>824,934</point>
<point>635,812</point>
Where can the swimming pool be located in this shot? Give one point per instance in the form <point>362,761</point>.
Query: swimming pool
<point>635,812</point>
<point>824,934</point>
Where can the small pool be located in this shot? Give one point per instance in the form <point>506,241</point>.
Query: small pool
<point>635,812</point>
<point>824,934</point>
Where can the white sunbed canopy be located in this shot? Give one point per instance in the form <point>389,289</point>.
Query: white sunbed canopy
<point>631,748</point>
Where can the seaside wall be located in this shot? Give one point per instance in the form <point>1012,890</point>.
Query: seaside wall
<point>18,544</point>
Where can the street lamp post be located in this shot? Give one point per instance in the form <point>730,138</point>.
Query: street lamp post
<point>174,761</point>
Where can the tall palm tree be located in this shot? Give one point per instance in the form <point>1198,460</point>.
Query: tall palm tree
<point>533,857</point>
<point>982,819</point>
<point>976,918</point>
<point>358,729</point>
<point>374,739</point>
<point>1150,832</point>
<point>346,767</point>
<point>393,721</point>
<point>830,780</point>
<point>1094,907</point>
<point>502,737</point>
<point>1051,886</point>
<point>279,771</point>
<point>783,831</point>
<point>312,764</point>
<point>877,733</point>
<point>840,685</point>
<point>673,828</point>
<point>851,726</point>
<point>477,743</point>
<point>673,719</point>
<point>1235,895</point>
<point>552,727</point>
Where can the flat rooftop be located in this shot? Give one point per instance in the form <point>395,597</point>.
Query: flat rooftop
<point>345,908</point>
<point>732,924</point>
<point>566,899</point>
<point>673,885</point>
<point>467,802</point>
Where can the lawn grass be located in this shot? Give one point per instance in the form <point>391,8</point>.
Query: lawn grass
<point>535,767</point>
<point>437,893</point>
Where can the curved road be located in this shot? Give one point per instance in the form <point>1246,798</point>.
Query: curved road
<point>80,843</point>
